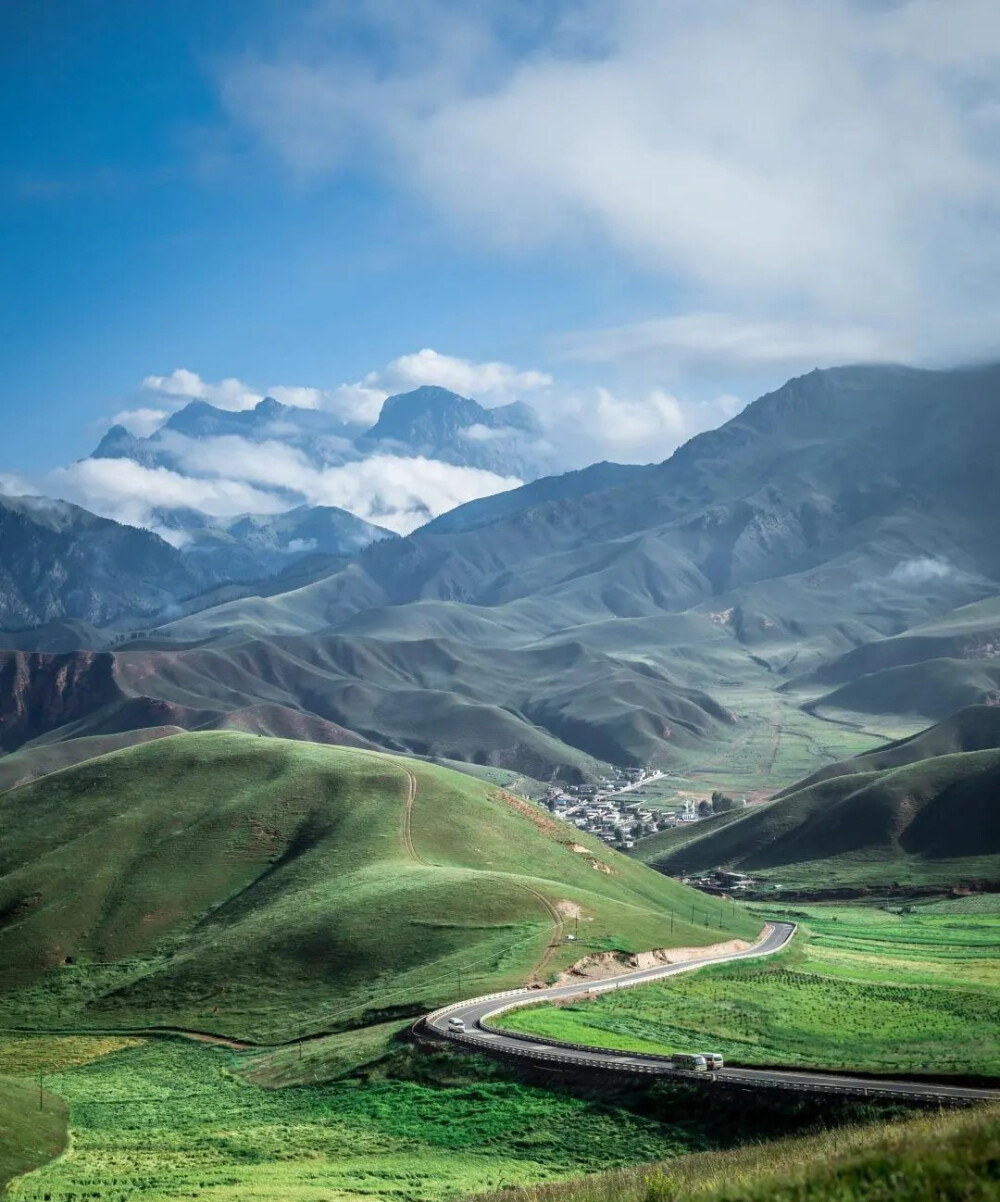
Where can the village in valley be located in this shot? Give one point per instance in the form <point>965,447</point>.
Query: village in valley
<point>610,811</point>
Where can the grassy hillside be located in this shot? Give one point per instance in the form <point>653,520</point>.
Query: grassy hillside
<point>942,1158</point>
<point>262,888</point>
<point>975,728</point>
<point>932,689</point>
<point>930,822</point>
<point>910,991</point>
<point>31,762</point>
<point>33,1128</point>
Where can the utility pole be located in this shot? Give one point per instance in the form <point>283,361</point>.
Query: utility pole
<point>41,1094</point>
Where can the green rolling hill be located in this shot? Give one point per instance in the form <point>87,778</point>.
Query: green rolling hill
<point>918,811</point>
<point>260,888</point>
<point>976,728</point>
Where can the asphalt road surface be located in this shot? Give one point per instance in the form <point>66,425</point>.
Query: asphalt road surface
<point>480,1036</point>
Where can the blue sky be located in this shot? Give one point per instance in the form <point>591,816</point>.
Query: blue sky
<point>665,207</point>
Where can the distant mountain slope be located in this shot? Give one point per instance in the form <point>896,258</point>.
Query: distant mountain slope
<point>916,811</point>
<point>253,547</point>
<point>486,510</point>
<point>555,709</point>
<point>976,728</point>
<point>440,424</point>
<point>298,885</point>
<point>837,484</point>
<point>58,561</point>
<point>931,670</point>
<point>64,572</point>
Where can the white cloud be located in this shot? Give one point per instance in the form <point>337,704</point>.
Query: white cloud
<point>140,422</point>
<point>393,491</point>
<point>923,570</point>
<point>732,343</point>
<point>482,381</point>
<point>298,397</point>
<point>828,163</point>
<point>401,494</point>
<point>13,485</point>
<point>646,427</point>
<point>230,475</point>
<point>183,385</point>
<point>128,492</point>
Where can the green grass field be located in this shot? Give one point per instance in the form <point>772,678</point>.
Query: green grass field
<point>163,1119</point>
<point>946,1158</point>
<point>861,988</point>
<point>264,888</point>
<point>33,1127</point>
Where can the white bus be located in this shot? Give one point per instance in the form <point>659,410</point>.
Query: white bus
<point>693,1063</point>
<point>714,1061</point>
<point>457,1025</point>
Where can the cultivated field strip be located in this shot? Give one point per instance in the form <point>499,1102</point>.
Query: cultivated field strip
<point>476,1013</point>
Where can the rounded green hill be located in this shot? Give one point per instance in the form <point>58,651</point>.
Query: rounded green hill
<point>262,888</point>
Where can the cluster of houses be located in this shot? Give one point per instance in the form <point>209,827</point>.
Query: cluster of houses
<point>721,881</point>
<point>607,811</point>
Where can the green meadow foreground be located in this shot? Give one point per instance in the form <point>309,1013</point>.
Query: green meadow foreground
<point>911,990</point>
<point>162,1119</point>
<point>949,1158</point>
<point>159,1120</point>
<point>263,890</point>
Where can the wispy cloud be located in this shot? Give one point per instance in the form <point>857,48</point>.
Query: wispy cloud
<point>799,166</point>
<point>182,386</point>
<point>129,492</point>
<point>486,382</point>
<point>731,343</point>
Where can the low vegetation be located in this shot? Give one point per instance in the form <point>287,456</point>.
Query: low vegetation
<point>33,1127</point>
<point>166,1118</point>
<point>911,989</point>
<point>944,1158</point>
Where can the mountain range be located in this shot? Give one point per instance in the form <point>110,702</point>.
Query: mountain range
<point>624,614</point>
<point>428,421</point>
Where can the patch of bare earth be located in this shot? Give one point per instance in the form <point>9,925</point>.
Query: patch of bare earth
<point>598,966</point>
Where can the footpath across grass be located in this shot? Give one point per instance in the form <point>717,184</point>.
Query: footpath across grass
<point>901,990</point>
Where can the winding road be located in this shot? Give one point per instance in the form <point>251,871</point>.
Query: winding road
<point>480,1036</point>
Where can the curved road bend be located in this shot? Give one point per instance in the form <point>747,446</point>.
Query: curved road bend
<point>476,1011</point>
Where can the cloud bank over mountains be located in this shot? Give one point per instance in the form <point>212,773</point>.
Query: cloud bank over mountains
<point>256,457</point>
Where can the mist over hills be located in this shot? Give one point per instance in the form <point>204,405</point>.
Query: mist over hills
<point>607,615</point>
